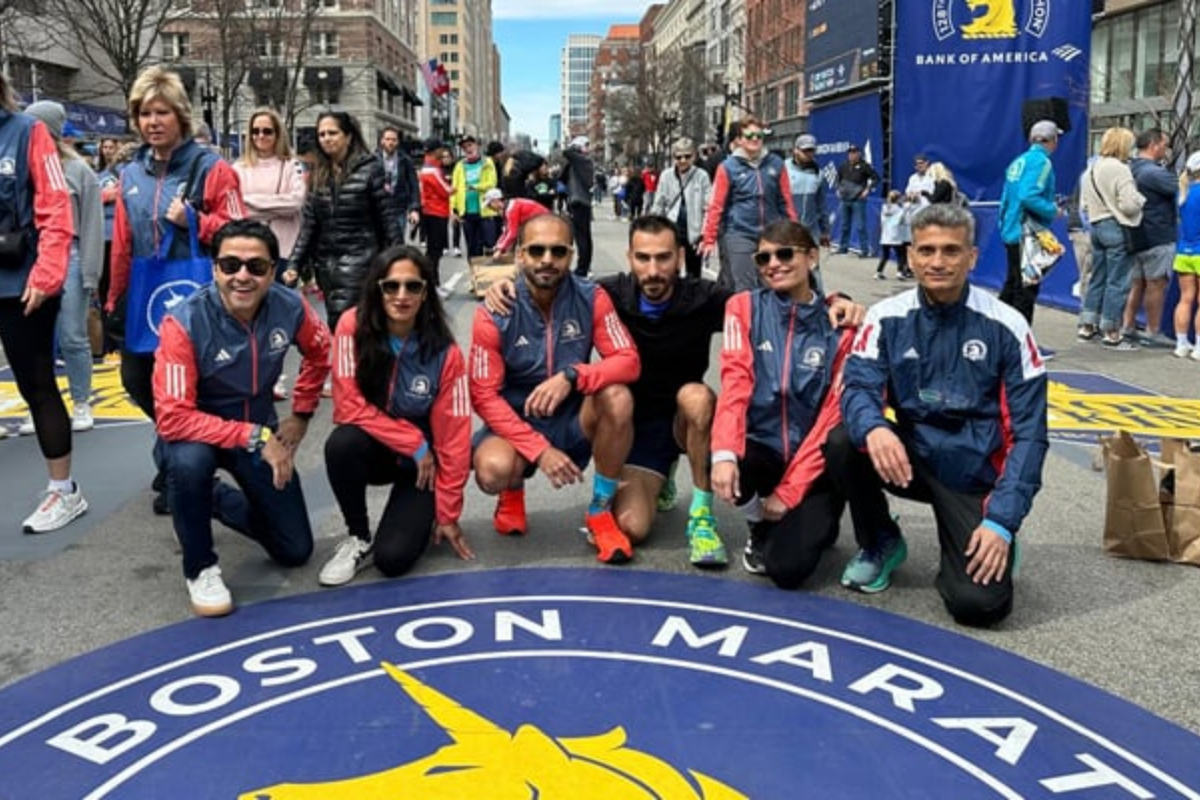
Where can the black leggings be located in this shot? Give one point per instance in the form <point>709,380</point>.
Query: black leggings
<point>355,460</point>
<point>901,251</point>
<point>29,346</point>
<point>796,541</point>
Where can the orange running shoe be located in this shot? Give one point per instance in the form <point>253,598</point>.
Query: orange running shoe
<point>612,545</point>
<point>509,519</point>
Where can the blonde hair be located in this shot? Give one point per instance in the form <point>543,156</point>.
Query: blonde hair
<point>940,172</point>
<point>283,148</point>
<point>1117,143</point>
<point>159,83</point>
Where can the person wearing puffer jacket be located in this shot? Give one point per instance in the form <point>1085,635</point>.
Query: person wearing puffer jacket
<point>348,214</point>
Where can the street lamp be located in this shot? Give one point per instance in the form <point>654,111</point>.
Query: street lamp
<point>208,97</point>
<point>669,121</point>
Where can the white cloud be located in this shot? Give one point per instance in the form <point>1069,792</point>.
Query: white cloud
<point>573,9</point>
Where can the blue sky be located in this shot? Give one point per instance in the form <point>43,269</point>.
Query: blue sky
<point>531,35</point>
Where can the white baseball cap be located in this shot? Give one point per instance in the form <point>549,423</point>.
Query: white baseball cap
<point>1044,130</point>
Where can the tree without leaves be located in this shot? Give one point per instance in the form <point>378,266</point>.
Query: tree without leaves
<point>115,38</point>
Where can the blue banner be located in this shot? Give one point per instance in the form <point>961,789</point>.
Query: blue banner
<point>962,76</point>
<point>838,125</point>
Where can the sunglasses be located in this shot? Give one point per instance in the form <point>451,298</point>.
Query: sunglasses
<point>785,254</point>
<point>557,251</point>
<point>754,135</point>
<point>391,286</point>
<point>232,265</point>
<point>262,131</point>
<point>683,157</point>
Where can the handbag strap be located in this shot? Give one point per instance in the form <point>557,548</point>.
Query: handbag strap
<point>1096,189</point>
<point>168,238</point>
<point>279,180</point>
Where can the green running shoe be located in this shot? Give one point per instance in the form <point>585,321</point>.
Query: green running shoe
<point>705,548</point>
<point>870,571</point>
<point>667,495</point>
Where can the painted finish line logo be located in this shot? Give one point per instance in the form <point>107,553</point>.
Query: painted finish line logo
<point>573,684</point>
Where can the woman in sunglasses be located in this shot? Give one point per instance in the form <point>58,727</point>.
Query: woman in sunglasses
<point>781,368</point>
<point>404,418</point>
<point>348,214</point>
<point>273,189</point>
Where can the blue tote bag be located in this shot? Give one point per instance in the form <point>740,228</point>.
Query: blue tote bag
<point>158,283</point>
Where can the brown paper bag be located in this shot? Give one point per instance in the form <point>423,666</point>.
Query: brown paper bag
<point>1180,496</point>
<point>1133,518</point>
<point>95,329</point>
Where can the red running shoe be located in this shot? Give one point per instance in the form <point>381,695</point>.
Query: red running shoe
<point>509,519</point>
<point>612,545</point>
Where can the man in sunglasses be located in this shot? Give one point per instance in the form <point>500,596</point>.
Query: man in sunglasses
<point>221,351</point>
<point>751,190</point>
<point>855,178</point>
<point>544,403</point>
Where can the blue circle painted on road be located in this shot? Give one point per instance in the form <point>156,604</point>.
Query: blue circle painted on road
<point>572,683</point>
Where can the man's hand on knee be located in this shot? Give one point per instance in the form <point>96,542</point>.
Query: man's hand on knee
<point>889,456</point>
<point>988,552</point>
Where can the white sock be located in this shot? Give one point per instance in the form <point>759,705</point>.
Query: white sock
<point>63,487</point>
<point>1181,340</point>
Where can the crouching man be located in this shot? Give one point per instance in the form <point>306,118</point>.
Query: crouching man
<point>220,353</point>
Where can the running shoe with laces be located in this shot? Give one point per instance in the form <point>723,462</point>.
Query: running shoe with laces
<point>870,571</point>
<point>56,510</point>
<point>667,495</point>
<point>705,548</point>
<point>754,558</point>
<point>352,556</point>
<point>82,418</point>
<point>612,545</point>
<point>209,596</point>
<point>509,518</point>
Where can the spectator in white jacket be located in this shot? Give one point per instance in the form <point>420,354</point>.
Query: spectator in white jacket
<point>273,183</point>
<point>682,196</point>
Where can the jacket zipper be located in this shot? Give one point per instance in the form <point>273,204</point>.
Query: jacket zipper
<point>785,384</point>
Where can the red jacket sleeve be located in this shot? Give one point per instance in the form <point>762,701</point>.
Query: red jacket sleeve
<point>737,379</point>
<point>52,215</point>
<point>349,405</point>
<point>222,200</point>
<point>511,225</point>
<point>487,378</point>
<point>313,341</point>
<point>175,378</point>
<point>785,187</point>
<point>716,206</point>
<point>808,462</point>
<point>120,256</point>
<point>451,426</point>
<point>619,361</point>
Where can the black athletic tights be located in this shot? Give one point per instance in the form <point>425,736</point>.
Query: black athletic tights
<point>29,346</point>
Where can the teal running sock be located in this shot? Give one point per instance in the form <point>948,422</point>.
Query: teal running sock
<point>603,490</point>
<point>701,499</point>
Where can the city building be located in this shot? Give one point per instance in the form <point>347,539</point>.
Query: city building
<point>458,33</point>
<point>615,78</point>
<point>775,67</point>
<point>575,77</point>
<point>358,55</point>
<point>555,131</point>
<point>724,40</point>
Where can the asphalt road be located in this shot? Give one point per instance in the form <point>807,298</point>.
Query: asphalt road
<point>1125,626</point>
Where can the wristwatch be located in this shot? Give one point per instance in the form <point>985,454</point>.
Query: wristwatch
<point>572,375</point>
<point>259,436</point>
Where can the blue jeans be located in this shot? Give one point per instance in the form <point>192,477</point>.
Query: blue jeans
<point>1108,284</point>
<point>277,520</point>
<point>853,214</point>
<point>73,342</point>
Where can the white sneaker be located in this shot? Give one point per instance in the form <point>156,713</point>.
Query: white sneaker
<point>1183,350</point>
<point>209,596</point>
<point>351,556</point>
<point>457,253</point>
<point>1195,356</point>
<point>56,510</point>
<point>443,292</point>
<point>27,428</point>
<point>81,417</point>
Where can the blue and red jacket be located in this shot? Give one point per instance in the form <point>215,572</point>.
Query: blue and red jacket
<point>747,197</point>
<point>969,391</point>
<point>140,216</point>
<point>33,199</point>
<point>428,405</point>
<point>781,366</point>
<point>511,355</point>
<point>214,375</point>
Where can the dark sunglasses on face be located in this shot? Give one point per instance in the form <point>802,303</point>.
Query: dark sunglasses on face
<point>392,286</point>
<point>262,131</point>
<point>557,251</point>
<point>785,254</point>
<point>683,156</point>
<point>754,135</point>
<point>232,265</point>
